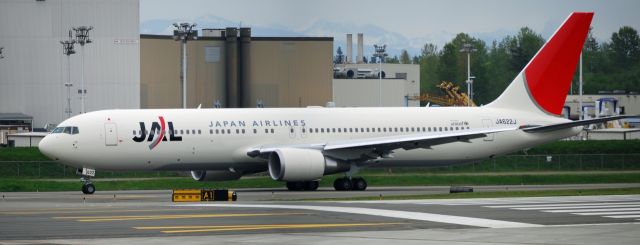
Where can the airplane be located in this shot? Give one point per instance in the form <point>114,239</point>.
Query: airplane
<point>301,145</point>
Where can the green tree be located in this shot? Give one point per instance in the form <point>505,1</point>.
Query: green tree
<point>429,60</point>
<point>453,65</point>
<point>523,47</point>
<point>404,57</point>
<point>392,60</point>
<point>625,47</point>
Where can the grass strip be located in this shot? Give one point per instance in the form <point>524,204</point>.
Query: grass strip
<point>13,185</point>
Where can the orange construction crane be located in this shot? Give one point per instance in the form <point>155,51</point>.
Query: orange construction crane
<point>452,97</point>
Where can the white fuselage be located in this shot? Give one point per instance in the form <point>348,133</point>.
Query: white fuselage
<point>219,139</point>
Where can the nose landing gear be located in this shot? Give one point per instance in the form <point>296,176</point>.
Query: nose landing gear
<point>85,178</point>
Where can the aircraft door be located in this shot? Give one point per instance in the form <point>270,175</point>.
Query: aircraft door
<point>110,134</point>
<point>488,123</point>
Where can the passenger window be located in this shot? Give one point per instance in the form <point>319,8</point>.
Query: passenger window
<point>291,130</point>
<point>243,131</point>
<point>333,130</point>
<point>193,131</point>
<point>322,130</point>
<point>303,130</point>
<point>210,131</point>
<point>237,131</point>
<point>272,131</point>
<point>350,130</point>
<point>228,131</point>
<point>217,131</point>
<point>181,131</point>
<point>255,131</point>
<point>222,131</point>
<point>134,132</point>
<point>401,129</point>
<point>339,130</point>
<point>187,131</point>
<point>199,131</point>
<point>450,128</point>
<point>266,131</point>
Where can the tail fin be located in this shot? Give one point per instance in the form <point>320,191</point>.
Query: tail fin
<point>543,84</point>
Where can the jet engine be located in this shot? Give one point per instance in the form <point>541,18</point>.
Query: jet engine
<point>215,175</point>
<point>291,164</point>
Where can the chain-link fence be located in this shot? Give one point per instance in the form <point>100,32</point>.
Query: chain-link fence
<point>50,169</point>
<point>558,162</point>
<point>508,163</point>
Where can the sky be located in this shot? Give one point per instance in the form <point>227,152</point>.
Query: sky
<point>401,24</point>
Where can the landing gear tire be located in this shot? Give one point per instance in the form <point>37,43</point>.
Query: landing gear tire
<point>346,184</point>
<point>342,184</point>
<point>88,189</point>
<point>359,184</point>
<point>303,185</point>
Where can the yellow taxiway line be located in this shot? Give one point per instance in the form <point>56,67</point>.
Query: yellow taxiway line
<point>191,229</point>
<point>80,211</point>
<point>167,216</point>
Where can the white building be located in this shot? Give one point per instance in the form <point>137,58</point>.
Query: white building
<point>399,88</point>
<point>34,70</point>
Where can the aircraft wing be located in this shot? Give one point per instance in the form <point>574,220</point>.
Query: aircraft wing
<point>374,147</point>
<point>558,126</point>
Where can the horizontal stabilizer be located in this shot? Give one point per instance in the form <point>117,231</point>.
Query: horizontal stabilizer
<point>558,126</point>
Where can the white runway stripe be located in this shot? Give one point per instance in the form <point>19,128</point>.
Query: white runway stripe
<point>591,210</point>
<point>510,201</point>
<point>564,204</point>
<point>441,218</point>
<point>608,213</point>
<point>623,216</point>
<point>581,207</point>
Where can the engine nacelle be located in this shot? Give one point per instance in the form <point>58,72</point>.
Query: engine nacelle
<point>215,175</point>
<point>291,164</point>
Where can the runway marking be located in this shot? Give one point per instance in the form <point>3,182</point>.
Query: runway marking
<point>91,211</point>
<point>441,218</point>
<point>623,216</point>
<point>506,201</point>
<point>603,209</point>
<point>191,229</point>
<point>580,207</point>
<point>168,216</point>
<point>609,213</point>
<point>563,205</point>
<point>591,210</point>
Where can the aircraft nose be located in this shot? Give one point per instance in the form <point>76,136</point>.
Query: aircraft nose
<point>46,146</point>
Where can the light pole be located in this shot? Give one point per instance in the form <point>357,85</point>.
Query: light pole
<point>82,37</point>
<point>67,49</point>
<point>580,99</point>
<point>183,32</point>
<point>468,48</point>
<point>380,54</point>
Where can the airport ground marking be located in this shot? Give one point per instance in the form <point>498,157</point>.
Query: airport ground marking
<point>214,228</point>
<point>440,218</point>
<point>169,216</point>
<point>90,211</point>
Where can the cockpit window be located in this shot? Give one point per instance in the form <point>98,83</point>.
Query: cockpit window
<point>66,130</point>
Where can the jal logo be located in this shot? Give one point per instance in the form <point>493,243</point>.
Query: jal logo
<point>158,128</point>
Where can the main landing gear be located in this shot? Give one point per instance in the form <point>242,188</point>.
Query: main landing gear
<point>85,178</point>
<point>303,185</point>
<point>349,184</point>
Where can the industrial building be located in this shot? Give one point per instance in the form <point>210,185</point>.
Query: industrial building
<point>121,69</point>
<point>360,84</point>
<point>234,69</point>
<point>34,70</point>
